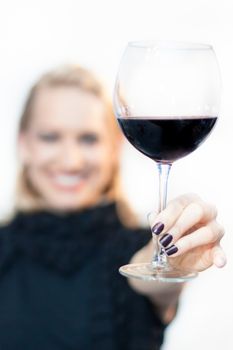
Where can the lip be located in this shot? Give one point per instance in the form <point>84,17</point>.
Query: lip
<point>66,187</point>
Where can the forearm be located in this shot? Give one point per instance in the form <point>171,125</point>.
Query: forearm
<point>163,295</point>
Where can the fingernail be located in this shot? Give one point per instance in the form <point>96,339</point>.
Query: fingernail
<point>171,250</point>
<point>158,228</point>
<point>166,240</point>
<point>220,261</point>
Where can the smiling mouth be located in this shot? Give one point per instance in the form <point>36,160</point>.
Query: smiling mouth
<point>68,182</point>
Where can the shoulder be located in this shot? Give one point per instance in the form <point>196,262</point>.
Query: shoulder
<point>9,224</point>
<point>5,228</point>
<point>8,221</point>
<point>7,249</point>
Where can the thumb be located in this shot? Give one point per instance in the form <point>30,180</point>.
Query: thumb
<point>219,257</point>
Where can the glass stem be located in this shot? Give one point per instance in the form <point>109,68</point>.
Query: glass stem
<point>159,257</point>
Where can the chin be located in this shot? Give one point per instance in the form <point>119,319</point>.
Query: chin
<point>63,202</point>
<point>69,205</point>
<point>64,206</point>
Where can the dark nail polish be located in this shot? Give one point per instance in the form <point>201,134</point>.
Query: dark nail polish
<point>158,228</point>
<point>166,240</point>
<point>171,250</point>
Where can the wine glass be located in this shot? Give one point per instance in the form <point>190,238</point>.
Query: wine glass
<point>166,101</point>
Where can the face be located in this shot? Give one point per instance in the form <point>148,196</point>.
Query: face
<point>68,149</point>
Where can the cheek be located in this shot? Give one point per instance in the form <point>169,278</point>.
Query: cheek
<point>103,160</point>
<point>40,155</point>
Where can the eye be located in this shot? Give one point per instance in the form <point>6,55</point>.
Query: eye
<point>89,138</point>
<point>49,137</point>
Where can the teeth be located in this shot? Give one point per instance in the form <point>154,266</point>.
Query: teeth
<point>68,180</point>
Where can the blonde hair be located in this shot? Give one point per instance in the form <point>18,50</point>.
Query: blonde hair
<point>27,199</point>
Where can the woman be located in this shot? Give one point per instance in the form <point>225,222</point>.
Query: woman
<point>72,229</point>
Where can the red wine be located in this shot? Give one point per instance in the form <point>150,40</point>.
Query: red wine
<point>166,140</point>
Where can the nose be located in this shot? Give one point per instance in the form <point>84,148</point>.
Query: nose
<point>72,157</point>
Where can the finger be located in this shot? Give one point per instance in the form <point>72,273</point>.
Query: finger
<point>208,234</point>
<point>219,257</point>
<point>193,214</point>
<point>166,219</point>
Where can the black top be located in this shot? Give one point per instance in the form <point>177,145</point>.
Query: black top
<point>60,287</point>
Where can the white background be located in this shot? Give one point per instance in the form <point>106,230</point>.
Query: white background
<point>38,35</point>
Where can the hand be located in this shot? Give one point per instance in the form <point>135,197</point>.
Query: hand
<point>191,234</point>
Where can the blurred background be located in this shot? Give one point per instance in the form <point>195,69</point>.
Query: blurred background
<point>38,35</point>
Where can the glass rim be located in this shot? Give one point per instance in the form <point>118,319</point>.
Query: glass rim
<point>169,44</point>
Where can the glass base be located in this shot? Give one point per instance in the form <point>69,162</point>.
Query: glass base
<point>147,272</point>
